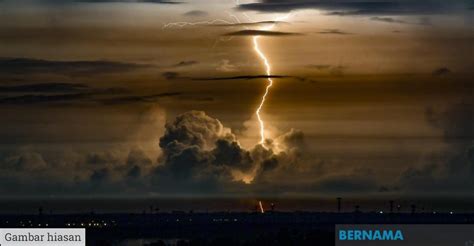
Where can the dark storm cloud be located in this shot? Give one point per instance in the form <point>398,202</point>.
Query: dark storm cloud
<point>196,13</point>
<point>232,154</point>
<point>44,87</point>
<point>347,7</point>
<point>194,128</point>
<point>199,156</point>
<point>28,65</point>
<point>334,31</point>
<point>199,153</point>
<point>261,33</point>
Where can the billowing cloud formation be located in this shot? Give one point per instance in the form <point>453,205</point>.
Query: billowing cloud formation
<point>199,155</point>
<point>198,151</point>
<point>194,128</point>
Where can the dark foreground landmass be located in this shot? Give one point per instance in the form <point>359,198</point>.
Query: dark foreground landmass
<point>220,228</point>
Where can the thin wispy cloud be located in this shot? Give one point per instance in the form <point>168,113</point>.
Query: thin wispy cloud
<point>343,7</point>
<point>79,67</point>
<point>261,33</point>
<point>334,32</point>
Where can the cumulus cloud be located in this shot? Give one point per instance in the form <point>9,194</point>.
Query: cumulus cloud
<point>198,155</point>
<point>200,152</point>
<point>194,128</point>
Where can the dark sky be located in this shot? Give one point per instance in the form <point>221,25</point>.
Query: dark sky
<point>158,98</point>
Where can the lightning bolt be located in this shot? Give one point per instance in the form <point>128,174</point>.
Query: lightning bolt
<point>261,207</point>
<point>260,53</point>
<point>182,24</point>
<point>268,71</point>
